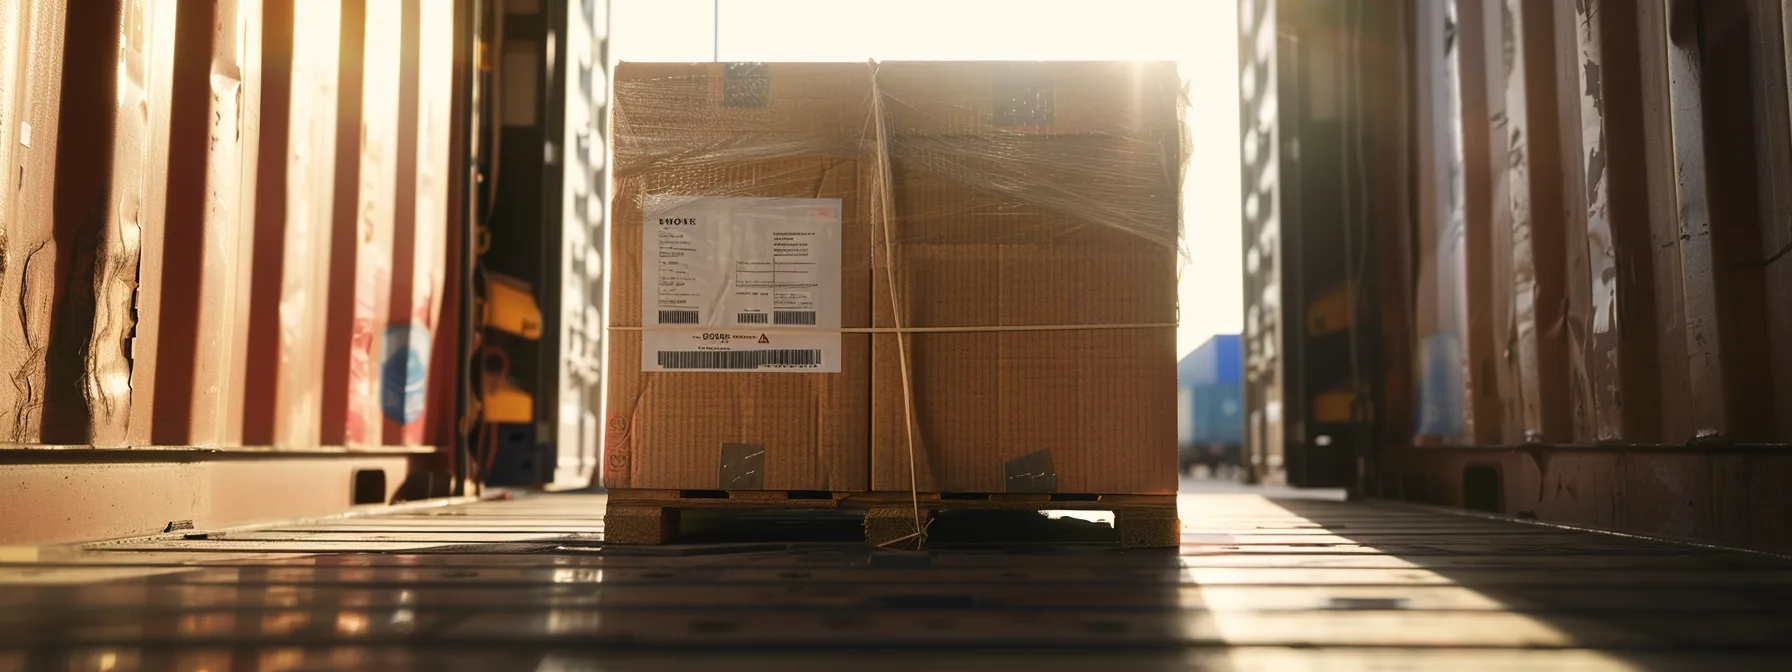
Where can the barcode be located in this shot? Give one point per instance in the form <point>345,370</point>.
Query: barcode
<point>741,360</point>
<point>805,317</point>
<point>678,317</point>
<point>751,318</point>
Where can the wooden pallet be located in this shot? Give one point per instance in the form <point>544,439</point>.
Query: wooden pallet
<point>641,516</point>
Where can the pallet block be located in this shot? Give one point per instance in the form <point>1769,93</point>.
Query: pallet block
<point>632,524</point>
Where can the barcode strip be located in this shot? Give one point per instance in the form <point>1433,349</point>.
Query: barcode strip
<point>800,317</point>
<point>751,318</point>
<point>740,360</point>
<point>678,317</point>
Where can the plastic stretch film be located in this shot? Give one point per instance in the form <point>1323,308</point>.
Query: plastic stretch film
<point>1095,144</point>
<point>1003,226</point>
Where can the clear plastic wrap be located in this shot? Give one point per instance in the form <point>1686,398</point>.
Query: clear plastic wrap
<point>1034,149</point>
<point>1010,227</point>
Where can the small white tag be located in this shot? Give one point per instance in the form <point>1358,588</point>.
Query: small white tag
<point>25,133</point>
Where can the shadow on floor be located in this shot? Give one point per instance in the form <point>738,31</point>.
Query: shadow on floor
<point>1289,584</point>
<point>1633,600</point>
<point>951,528</point>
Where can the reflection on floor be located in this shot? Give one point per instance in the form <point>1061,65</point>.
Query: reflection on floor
<point>1258,583</point>
<point>1205,485</point>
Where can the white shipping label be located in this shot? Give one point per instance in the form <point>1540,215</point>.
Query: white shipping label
<point>740,284</point>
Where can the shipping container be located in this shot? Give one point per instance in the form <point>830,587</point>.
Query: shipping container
<point>251,244</point>
<point>1523,257</point>
<point>311,307</point>
<point>1209,405</point>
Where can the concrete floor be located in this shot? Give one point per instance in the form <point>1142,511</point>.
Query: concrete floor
<point>1258,583</point>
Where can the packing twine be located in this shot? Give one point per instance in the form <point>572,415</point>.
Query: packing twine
<point>885,207</point>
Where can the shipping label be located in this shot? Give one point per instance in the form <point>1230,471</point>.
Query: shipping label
<point>740,284</point>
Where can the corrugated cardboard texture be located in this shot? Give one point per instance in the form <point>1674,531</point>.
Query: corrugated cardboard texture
<point>779,130</point>
<point>685,121</point>
<point>1029,194</point>
<point>1065,153</point>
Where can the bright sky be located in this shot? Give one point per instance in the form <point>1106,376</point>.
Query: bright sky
<point>1201,35</point>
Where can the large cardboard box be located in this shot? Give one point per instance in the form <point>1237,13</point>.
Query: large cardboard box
<point>1028,195</point>
<point>697,143</point>
<point>1036,197</point>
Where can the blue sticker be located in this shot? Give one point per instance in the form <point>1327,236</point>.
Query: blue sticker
<point>1440,395</point>
<point>404,370</point>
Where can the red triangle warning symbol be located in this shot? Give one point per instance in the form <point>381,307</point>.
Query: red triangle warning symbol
<point>763,339</point>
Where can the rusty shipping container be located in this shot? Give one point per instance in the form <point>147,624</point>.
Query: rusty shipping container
<point>1571,222</point>
<point>241,248</point>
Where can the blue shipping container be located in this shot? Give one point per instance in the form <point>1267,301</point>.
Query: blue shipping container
<point>1216,416</point>
<point>1219,361</point>
<point>1210,398</point>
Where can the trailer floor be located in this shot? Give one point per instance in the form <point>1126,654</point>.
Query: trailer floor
<point>1258,583</point>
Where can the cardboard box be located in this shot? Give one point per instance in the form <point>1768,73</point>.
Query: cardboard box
<point>1024,195</point>
<point>734,132</point>
<point>1018,195</point>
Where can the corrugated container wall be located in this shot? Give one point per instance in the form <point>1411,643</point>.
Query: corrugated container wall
<point>227,229</point>
<point>1577,256</point>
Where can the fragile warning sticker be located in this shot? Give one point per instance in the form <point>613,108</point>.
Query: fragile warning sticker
<point>740,284</point>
